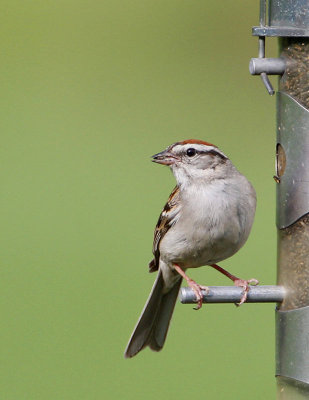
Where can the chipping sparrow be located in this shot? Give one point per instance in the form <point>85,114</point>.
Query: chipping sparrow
<point>207,218</point>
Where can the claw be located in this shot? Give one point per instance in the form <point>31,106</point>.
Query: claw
<point>198,293</point>
<point>194,286</point>
<point>246,286</point>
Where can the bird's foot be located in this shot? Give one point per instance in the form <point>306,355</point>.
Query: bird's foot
<point>238,282</point>
<point>194,286</point>
<point>198,292</point>
<point>246,286</point>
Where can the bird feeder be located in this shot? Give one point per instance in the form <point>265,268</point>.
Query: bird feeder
<point>289,21</point>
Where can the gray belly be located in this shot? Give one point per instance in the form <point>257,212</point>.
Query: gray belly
<point>211,230</point>
<point>196,248</point>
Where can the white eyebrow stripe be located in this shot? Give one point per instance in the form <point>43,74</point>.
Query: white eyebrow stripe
<point>200,148</point>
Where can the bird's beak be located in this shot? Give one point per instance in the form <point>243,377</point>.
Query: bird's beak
<point>165,158</point>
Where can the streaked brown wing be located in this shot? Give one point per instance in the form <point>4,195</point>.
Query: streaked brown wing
<point>167,219</point>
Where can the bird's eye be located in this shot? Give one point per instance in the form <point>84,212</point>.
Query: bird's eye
<point>191,152</point>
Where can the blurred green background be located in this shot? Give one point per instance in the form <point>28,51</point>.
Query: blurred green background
<point>90,90</point>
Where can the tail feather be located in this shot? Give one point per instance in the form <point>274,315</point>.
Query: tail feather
<point>152,326</point>
<point>162,322</point>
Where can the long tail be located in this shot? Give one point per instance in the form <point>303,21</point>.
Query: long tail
<point>152,326</point>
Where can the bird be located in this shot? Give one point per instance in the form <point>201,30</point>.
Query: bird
<point>207,219</point>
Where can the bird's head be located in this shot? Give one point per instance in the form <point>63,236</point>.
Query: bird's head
<point>193,160</point>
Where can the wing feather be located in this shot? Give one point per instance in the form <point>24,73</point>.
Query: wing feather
<point>167,219</point>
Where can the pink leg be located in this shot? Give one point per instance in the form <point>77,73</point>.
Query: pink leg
<point>238,282</point>
<point>194,286</point>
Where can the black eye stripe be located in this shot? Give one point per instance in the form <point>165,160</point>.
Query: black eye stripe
<point>191,151</point>
<point>214,153</point>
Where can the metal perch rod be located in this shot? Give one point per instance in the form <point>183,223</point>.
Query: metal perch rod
<point>233,294</point>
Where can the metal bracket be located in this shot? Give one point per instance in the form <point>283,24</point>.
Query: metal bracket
<point>258,66</point>
<point>289,18</point>
<point>271,66</point>
<point>292,161</point>
<point>265,66</point>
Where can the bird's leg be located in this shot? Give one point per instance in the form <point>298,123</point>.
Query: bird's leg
<point>238,282</point>
<point>194,286</point>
